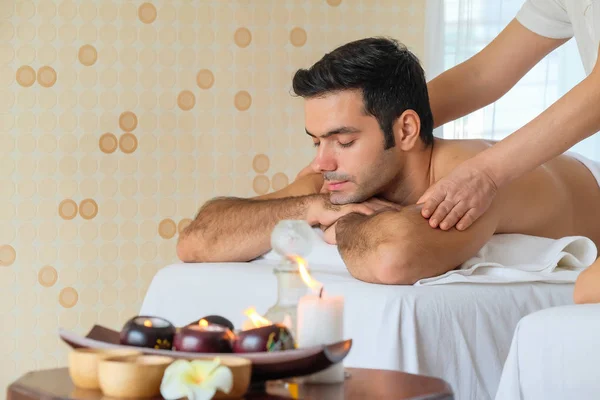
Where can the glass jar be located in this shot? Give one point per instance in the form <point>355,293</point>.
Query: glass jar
<point>290,288</point>
<point>289,238</point>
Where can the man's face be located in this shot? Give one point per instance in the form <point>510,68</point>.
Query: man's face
<point>350,147</point>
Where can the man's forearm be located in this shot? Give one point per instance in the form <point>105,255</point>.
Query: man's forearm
<point>358,238</point>
<point>233,229</point>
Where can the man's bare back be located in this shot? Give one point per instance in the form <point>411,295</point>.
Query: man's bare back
<point>555,200</point>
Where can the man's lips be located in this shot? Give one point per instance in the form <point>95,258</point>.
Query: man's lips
<point>335,185</point>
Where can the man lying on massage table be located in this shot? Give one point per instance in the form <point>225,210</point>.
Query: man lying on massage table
<point>367,113</point>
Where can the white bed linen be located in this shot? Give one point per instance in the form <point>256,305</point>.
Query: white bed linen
<point>555,354</point>
<point>459,332</point>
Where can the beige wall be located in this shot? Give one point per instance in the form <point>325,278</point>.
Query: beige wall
<point>118,119</point>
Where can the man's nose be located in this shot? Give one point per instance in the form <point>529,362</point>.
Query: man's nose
<point>324,160</point>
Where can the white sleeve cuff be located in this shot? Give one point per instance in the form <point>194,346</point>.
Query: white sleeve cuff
<point>546,18</point>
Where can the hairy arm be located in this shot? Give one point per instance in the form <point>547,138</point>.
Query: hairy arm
<point>236,229</point>
<point>399,247</point>
<point>587,286</point>
<point>489,74</point>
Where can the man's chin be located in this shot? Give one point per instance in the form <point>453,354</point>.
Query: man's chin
<point>341,198</point>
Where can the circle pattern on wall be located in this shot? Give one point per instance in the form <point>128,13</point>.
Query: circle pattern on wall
<point>47,276</point>
<point>243,100</point>
<point>108,143</point>
<point>8,255</point>
<point>25,76</point>
<point>205,79</point>
<point>46,76</point>
<point>87,55</point>
<point>88,209</point>
<point>147,13</point>
<point>242,37</point>
<point>128,121</point>
<point>128,143</point>
<point>67,209</point>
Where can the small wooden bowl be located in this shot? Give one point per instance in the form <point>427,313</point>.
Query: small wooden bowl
<point>241,369</point>
<point>132,376</point>
<point>83,365</point>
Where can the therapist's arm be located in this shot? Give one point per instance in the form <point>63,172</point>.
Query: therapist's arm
<point>399,247</point>
<point>571,119</point>
<point>488,75</point>
<point>587,286</point>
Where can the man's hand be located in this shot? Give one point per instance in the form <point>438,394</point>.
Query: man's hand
<point>374,204</point>
<point>322,212</point>
<point>461,197</point>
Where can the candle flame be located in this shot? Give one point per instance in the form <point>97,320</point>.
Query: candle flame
<point>308,280</point>
<point>256,319</point>
<point>148,323</point>
<point>203,322</point>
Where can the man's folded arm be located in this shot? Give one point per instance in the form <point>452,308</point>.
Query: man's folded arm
<point>400,248</point>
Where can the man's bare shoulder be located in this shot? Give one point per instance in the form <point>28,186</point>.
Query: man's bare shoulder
<point>449,153</point>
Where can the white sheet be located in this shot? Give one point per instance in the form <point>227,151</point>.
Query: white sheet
<point>555,355</point>
<point>459,332</point>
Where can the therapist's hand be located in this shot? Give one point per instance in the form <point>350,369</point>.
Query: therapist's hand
<point>459,199</point>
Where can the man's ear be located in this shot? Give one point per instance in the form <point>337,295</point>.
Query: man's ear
<point>407,129</point>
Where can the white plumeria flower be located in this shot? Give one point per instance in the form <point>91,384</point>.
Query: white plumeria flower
<point>196,380</point>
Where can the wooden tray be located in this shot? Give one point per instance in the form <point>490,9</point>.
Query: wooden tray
<point>265,365</point>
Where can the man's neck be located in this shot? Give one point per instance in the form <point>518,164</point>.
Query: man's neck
<point>415,178</point>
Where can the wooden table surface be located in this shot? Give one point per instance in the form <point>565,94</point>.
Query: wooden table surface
<point>55,384</point>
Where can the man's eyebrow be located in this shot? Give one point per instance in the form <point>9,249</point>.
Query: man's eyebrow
<point>341,130</point>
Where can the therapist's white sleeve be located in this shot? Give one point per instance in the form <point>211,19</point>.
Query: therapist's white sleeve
<point>547,18</point>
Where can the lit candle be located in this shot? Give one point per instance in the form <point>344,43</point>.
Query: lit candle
<point>204,338</point>
<point>320,321</point>
<point>152,332</point>
<point>260,334</point>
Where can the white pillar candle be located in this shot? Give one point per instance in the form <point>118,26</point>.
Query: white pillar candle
<point>320,321</point>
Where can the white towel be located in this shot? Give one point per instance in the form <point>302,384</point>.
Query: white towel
<point>505,258</point>
<point>521,258</point>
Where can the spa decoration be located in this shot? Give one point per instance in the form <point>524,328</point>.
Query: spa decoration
<point>204,338</point>
<point>262,335</point>
<point>196,380</point>
<point>145,331</point>
<point>320,321</point>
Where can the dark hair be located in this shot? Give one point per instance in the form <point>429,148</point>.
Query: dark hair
<point>388,74</point>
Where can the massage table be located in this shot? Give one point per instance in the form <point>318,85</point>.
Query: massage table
<point>555,354</point>
<point>459,332</point>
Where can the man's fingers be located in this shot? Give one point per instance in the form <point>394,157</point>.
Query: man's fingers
<point>468,219</point>
<point>440,213</point>
<point>432,201</point>
<point>454,216</point>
